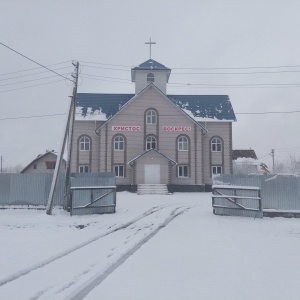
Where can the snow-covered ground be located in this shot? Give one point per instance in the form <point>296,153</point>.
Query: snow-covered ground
<point>154,247</point>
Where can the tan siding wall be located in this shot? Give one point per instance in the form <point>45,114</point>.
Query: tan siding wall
<point>160,78</point>
<point>222,130</point>
<point>198,157</point>
<point>169,115</point>
<point>82,127</point>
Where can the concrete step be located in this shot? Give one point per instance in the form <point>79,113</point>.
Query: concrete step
<point>151,189</point>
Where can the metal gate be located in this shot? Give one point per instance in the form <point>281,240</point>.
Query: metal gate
<point>232,200</point>
<point>93,200</point>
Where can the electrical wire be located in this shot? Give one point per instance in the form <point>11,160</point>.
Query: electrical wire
<point>268,112</point>
<point>26,87</point>
<point>4,74</point>
<point>26,75</point>
<point>30,117</point>
<point>35,62</point>
<point>30,80</point>
<point>52,115</point>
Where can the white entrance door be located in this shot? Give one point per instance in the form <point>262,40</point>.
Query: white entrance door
<point>152,174</point>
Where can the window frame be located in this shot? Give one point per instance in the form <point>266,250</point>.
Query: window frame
<point>85,168</point>
<point>180,143</point>
<point>119,168</point>
<point>151,142</point>
<point>150,77</point>
<point>215,167</point>
<point>216,144</point>
<point>120,143</point>
<point>84,143</point>
<point>181,170</point>
<point>151,117</point>
<point>50,165</point>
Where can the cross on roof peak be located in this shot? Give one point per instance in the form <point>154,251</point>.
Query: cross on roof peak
<point>150,43</point>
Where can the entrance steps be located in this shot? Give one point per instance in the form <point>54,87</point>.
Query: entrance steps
<point>152,189</point>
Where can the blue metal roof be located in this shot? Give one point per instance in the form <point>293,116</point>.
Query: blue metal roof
<point>214,107</point>
<point>151,64</point>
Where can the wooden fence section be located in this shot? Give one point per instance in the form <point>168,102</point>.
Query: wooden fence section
<point>230,200</point>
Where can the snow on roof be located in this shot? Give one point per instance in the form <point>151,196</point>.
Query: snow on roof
<point>200,107</point>
<point>89,114</point>
<point>249,153</point>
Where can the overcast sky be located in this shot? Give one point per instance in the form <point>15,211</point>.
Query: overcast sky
<point>252,49</point>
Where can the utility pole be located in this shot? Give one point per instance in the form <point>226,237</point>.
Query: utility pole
<point>273,159</point>
<point>70,121</point>
<point>67,194</point>
<point>1,164</point>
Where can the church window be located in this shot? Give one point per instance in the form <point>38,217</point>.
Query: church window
<point>84,168</point>
<point>150,77</point>
<point>119,170</point>
<point>119,143</point>
<point>183,143</point>
<point>216,170</point>
<point>151,117</point>
<point>216,145</point>
<point>183,171</point>
<point>84,143</point>
<point>150,142</point>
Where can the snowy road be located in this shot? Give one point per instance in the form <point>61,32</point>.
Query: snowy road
<point>75,272</point>
<point>154,247</point>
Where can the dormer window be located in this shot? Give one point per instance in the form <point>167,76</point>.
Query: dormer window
<point>150,77</point>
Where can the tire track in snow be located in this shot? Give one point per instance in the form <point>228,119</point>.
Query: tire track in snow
<point>83,291</point>
<point>28,270</point>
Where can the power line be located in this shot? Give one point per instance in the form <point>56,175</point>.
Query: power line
<point>204,68</point>
<point>236,73</point>
<point>27,87</point>
<point>26,75</point>
<point>35,62</point>
<point>201,85</point>
<point>52,115</point>
<point>42,78</point>
<point>30,117</point>
<point>268,112</point>
<point>4,74</point>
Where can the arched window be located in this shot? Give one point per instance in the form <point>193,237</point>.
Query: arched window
<point>150,142</point>
<point>150,77</point>
<point>151,117</point>
<point>216,145</point>
<point>119,143</point>
<point>183,143</point>
<point>84,143</point>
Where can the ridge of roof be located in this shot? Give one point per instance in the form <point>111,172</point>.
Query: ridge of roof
<point>38,158</point>
<point>151,64</point>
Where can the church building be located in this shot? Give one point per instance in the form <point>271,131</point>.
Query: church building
<point>152,137</point>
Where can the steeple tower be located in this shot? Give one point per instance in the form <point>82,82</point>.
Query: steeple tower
<point>150,72</point>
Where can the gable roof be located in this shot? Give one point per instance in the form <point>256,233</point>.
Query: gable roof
<point>150,65</point>
<point>243,154</point>
<point>173,162</point>
<point>39,157</point>
<point>149,86</point>
<point>199,107</point>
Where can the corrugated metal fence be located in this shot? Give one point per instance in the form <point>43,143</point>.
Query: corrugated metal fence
<point>280,192</point>
<point>33,189</point>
